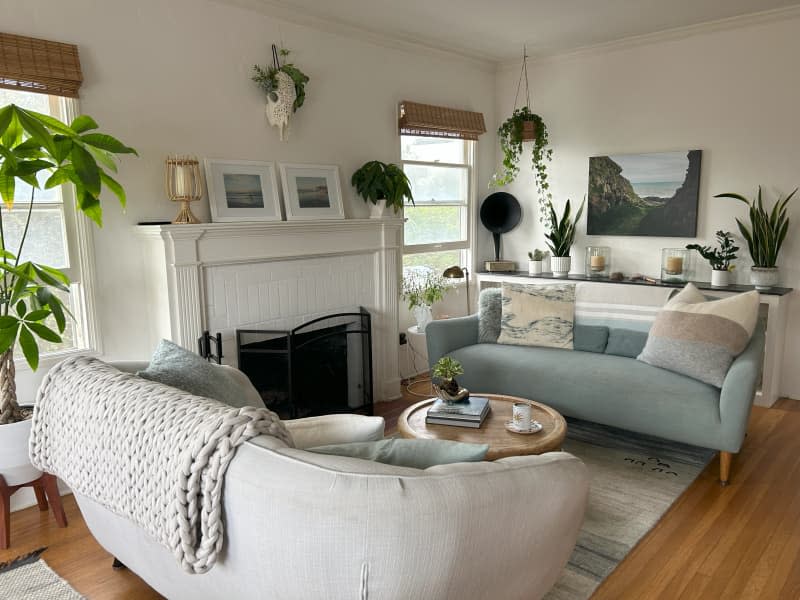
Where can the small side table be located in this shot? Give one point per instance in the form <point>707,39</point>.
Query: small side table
<point>45,487</point>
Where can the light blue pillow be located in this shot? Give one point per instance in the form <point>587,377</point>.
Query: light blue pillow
<point>490,314</point>
<point>626,342</point>
<point>177,367</point>
<point>417,454</point>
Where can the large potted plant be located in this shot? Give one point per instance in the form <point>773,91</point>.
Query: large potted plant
<point>560,237</point>
<point>421,288</point>
<point>382,185</point>
<point>719,258</point>
<point>40,151</point>
<point>764,237</point>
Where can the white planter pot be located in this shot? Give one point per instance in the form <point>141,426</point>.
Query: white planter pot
<point>560,265</point>
<point>15,466</point>
<point>720,278</point>
<point>377,210</point>
<point>423,316</point>
<point>534,267</point>
<point>764,278</point>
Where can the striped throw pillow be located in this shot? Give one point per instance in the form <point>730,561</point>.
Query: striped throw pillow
<point>700,338</point>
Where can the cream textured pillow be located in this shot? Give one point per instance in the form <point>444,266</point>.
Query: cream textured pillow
<point>700,338</point>
<point>538,315</point>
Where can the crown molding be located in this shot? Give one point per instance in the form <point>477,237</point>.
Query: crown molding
<point>667,35</point>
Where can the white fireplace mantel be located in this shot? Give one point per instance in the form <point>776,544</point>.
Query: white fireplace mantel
<point>274,275</point>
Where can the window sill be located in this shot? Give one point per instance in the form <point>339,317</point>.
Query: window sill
<point>52,358</point>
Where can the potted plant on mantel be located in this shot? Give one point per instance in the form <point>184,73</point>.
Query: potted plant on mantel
<point>720,258</point>
<point>36,150</point>
<point>764,237</point>
<point>383,185</point>
<point>560,237</point>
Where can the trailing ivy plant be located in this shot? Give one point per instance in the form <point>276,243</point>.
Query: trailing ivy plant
<point>266,80</point>
<point>510,134</point>
<point>378,181</point>
<point>719,258</point>
<point>562,231</point>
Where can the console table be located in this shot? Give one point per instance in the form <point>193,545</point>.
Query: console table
<point>776,299</point>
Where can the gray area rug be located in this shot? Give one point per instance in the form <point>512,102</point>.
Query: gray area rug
<point>29,578</point>
<point>635,479</point>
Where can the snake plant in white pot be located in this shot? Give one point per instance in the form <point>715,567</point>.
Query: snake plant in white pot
<point>38,151</point>
<point>561,236</point>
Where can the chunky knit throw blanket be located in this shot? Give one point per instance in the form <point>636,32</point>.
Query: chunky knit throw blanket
<point>145,451</point>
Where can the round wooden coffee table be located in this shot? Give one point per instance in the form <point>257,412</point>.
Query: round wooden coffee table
<point>502,443</point>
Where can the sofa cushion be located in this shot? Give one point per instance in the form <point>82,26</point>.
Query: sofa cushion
<point>177,367</point>
<point>590,338</point>
<point>538,315</point>
<point>625,342</point>
<point>417,454</point>
<point>700,338</point>
<point>490,313</point>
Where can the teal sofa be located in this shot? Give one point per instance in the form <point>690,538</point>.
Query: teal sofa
<point>613,390</point>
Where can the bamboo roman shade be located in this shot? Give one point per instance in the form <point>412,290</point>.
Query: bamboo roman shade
<point>439,121</point>
<point>39,66</point>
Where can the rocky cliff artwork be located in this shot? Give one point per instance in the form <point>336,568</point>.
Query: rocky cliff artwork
<point>652,194</point>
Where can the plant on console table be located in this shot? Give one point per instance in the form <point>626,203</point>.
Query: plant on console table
<point>536,261</point>
<point>561,236</point>
<point>383,185</point>
<point>421,288</point>
<point>764,237</point>
<point>38,151</point>
<point>445,385</point>
<point>719,258</point>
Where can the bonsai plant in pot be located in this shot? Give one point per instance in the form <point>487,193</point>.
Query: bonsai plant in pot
<point>561,236</point>
<point>764,237</point>
<point>421,288</point>
<point>38,150</point>
<point>719,258</point>
<point>383,185</point>
<point>445,385</point>
<point>536,261</point>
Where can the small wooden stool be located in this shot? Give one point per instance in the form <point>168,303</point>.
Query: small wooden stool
<point>45,487</point>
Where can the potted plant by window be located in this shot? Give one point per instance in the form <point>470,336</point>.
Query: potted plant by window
<point>719,258</point>
<point>445,385</point>
<point>38,150</point>
<point>560,237</point>
<point>536,261</point>
<point>383,185</point>
<point>421,288</point>
<point>764,237</point>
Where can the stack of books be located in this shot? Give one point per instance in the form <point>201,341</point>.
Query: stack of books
<point>466,413</point>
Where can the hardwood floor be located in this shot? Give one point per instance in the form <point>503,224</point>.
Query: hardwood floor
<point>741,541</point>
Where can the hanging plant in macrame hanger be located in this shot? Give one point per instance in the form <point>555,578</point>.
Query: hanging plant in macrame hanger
<point>285,87</point>
<point>525,126</point>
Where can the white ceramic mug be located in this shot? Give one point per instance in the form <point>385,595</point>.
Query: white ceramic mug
<point>521,416</point>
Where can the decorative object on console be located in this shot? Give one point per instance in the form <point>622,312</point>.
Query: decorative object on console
<point>444,380</point>
<point>421,288</point>
<point>184,185</point>
<point>536,260</point>
<point>285,87</point>
<point>598,261</point>
<point>500,213</point>
<point>242,190</point>
<point>765,236</point>
<point>383,185</point>
<point>311,192</point>
<point>560,237</point>
<point>675,265</point>
<point>719,258</point>
<point>456,272</point>
<point>538,315</point>
<point>652,194</point>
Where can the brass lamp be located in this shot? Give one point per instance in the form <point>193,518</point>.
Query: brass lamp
<point>184,185</point>
<point>456,272</point>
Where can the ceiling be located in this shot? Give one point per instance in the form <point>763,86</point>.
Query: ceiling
<point>495,30</point>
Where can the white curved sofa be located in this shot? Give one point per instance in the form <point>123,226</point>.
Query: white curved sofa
<point>301,525</point>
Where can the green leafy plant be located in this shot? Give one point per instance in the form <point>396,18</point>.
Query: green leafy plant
<point>767,230</point>
<point>40,150</point>
<point>377,181</point>
<point>719,258</point>
<point>510,134</point>
<point>561,234</point>
<point>447,368</point>
<point>266,79</point>
<point>538,254</point>
<point>423,288</point>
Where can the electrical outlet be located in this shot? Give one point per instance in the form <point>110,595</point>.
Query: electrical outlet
<point>403,338</point>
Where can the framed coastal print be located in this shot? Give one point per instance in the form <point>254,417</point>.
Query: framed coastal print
<point>652,194</point>
<point>311,192</point>
<point>242,190</point>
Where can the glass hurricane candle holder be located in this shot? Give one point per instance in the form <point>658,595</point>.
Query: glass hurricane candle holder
<point>598,261</point>
<point>675,265</point>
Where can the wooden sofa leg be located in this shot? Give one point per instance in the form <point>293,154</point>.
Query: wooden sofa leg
<point>724,467</point>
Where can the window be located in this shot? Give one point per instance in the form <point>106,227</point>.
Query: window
<point>55,232</point>
<point>437,229</point>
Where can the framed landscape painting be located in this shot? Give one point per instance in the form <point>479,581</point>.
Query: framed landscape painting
<point>652,194</point>
<point>242,190</point>
<point>311,192</point>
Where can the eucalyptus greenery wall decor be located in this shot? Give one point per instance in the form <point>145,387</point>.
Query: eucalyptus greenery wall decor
<point>285,87</point>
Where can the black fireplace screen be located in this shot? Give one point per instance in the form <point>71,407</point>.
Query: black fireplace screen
<point>321,367</point>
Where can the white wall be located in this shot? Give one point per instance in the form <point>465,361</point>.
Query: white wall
<point>174,77</point>
<point>731,93</point>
